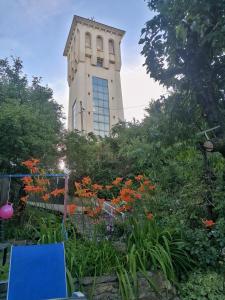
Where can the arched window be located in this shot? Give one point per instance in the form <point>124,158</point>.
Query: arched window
<point>87,40</point>
<point>111,47</point>
<point>99,43</point>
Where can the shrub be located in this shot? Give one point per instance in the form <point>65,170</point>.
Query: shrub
<point>202,286</point>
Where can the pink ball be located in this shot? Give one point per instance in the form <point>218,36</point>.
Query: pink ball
<point>6,211</point>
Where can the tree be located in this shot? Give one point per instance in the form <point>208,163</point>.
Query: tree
<point>30,119</point>
<point>183,45</point>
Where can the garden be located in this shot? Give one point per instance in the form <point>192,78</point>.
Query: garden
<point>142,211</point>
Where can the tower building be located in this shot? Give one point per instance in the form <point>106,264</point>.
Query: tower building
<point>93,73</point>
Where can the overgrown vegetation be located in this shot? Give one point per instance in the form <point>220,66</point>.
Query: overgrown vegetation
<point>177,230</point>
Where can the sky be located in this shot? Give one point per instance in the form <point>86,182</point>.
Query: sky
<point>36,31</point>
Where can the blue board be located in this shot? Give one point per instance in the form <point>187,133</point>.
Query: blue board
<point>37,272</point>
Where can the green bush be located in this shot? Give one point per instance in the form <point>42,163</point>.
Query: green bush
<point>207,245</point>
<point>203,286</point>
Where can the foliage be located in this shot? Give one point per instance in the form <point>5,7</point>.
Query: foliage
<point>202,286</point>
<point>160,248</point>
<point>30,119</point>
<point>207,244</point>
<point>184,50</point>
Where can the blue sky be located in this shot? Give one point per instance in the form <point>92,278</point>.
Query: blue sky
<point>36,31</point>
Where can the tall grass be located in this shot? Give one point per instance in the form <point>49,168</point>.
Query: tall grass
<point>159,248</point>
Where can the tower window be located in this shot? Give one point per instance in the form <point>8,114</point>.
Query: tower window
<point>111,47</point>
<point>99,62</point>
<point>101,106</point>
<point>99,43</point>
<point>87,40</point>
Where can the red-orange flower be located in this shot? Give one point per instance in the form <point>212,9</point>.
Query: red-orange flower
<point>117,181</point>
<point>94,212</point>
<point>149,216</point>
<point>146,182</point>
<point>208,223</point>
<point>86,180</point>
<point>27,180</point>
<point>127,194</point>
<point>71,208</point>
<point>32,164</point>
<point>97,187</point>
<point>86,193</point>
<point>139,177</point>
<point>33,189</point>
<point>128,182</point>
<point>115,201</point>
<point>138,196</point>
<point>57,192</point>
<point>120,209</point>
<point>45,197</point>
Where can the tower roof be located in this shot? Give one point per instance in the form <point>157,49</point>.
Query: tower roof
<point>92,23</point>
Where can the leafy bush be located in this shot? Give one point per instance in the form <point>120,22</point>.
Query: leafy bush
<point>207,245</point>
<point>203,286</point>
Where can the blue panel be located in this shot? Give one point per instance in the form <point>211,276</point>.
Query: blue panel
<point>37,272</point>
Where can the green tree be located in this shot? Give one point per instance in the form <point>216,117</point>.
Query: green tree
<point>30,119</point>
<point>183,45</point>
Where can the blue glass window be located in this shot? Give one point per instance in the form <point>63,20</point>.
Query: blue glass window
<point>100,106</point>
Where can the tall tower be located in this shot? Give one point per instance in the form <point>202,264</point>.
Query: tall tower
<point>94,62</point>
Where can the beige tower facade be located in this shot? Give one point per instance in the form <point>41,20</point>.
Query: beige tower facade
<point>94,63</point>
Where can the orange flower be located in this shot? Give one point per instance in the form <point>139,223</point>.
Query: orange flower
<point>108,187</point>
<point>115,201</point>
<point>94,212</point>
<point>208,223</point>
<point>97,187</point>
<point>120,209</point>
<point>85,193</point>
<point>128,182</point>
<point>117,181</point>
<point>139,177</point>
<point>150,216</point>
<point>71,208</point>
<point>27,180</point>
<point>31,164</point>
<point>57,192</point>
<point>86,180</point>
<point>33,189</point>
<point>127,194</point>
<point>138,196</point>
<point>24,199</point>
<point>46,197</point>
<point>146,182</point>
